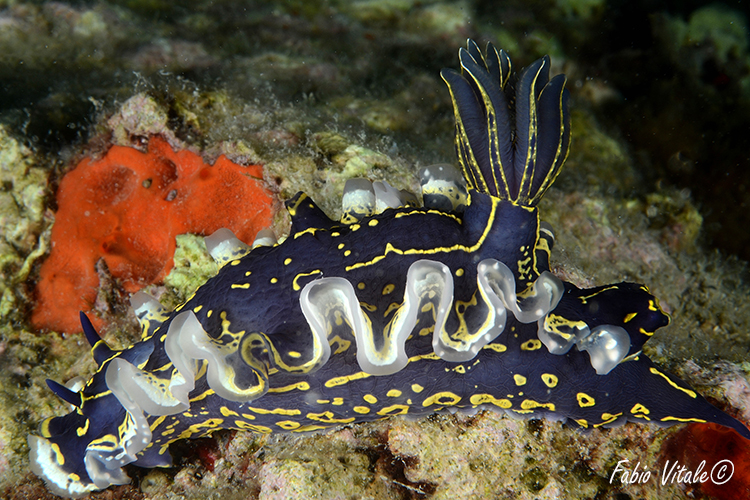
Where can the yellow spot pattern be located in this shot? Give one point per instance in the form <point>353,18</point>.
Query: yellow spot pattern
<point>530,404</point>
<point>531,345</point>
<point>442,398</point>
<point>394,410</point>
<point>300,386</point>
<point>261,429</point>
<point>227,412</point>
<point>584,400</point>
<point>480,399</point>
<point>327,417</point>
<point>496,347</point>
<point>288,424</point>
<point>549,380</point>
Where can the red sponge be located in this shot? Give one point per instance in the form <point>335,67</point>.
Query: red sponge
<point>127,208</point>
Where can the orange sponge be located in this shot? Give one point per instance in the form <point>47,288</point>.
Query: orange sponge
<point>717,458</point>
<point>127,208</point>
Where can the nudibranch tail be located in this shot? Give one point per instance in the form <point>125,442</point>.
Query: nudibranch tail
<point>513,161</point>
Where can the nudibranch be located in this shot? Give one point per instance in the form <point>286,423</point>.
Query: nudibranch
<point>396,309</point>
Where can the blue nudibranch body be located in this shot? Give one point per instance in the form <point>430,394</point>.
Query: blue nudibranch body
<point>396,309</point>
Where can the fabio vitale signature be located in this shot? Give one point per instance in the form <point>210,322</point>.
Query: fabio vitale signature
<point>673,473</point>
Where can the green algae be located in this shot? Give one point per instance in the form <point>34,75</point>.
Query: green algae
<point>586,9</point>
<point>22,209</point>
<point>193,266</point>
<point>597,161</point>
<point>726,29</point>
<point>535,479</point>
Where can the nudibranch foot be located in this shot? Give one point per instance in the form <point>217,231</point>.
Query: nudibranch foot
<point>396,309</point>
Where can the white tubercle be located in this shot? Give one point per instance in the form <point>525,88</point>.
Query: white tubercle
<point>443,187</point>
<point>264,238</point>
<point>328,302</point>
<point>145,307</point>
<point>607,345</point>
<point>558,341</point>
<point>359,198</point>
<point>224,246</point>
<point>387,196</point>
<point>543,296</point>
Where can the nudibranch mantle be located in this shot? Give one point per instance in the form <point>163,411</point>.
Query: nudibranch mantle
<point>396,309</point>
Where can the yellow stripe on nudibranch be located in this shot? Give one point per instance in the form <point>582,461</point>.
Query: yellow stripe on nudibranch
<point>529,404</point>
<point>328,417</point>
<point>685,420</point>
<point>288,425</point>
<point>389,248</point>
<point>227,412</point>
<point>299,386</point>
<point>495,347</point>
<point>690,393</point>
<point>337,381</point>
